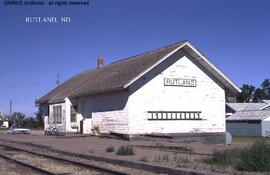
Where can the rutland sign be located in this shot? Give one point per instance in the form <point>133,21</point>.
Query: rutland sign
<point>180,82</point>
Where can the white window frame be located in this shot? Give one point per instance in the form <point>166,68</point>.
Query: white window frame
<point>71,113</point>
<point>57,114</point>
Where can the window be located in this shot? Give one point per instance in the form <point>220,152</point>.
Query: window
<point>174,115</point>
<point>57,114</point>
<point>73,114</point>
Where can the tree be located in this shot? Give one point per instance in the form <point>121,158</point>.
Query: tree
<point>18,118</point>
<point>259,95</point>
<point>39,116</point>
<point>246,96</point>
<point>251,94</point>
<point>266,88</point>
<point>30,122</point>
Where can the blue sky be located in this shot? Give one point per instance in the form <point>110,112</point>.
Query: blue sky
<point>234,35</point>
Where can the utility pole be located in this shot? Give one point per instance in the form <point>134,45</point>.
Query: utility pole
<point>10,108</point>
<point>58,80</point>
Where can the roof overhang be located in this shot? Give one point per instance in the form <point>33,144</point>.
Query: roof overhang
<point>266,106</point>
<point>230,87</point>
<point>50,101</point>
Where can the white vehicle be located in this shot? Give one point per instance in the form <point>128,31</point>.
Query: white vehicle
<point>15,129</point>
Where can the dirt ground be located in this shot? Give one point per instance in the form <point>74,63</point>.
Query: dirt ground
<point>173,154</point>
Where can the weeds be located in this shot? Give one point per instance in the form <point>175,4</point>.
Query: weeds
<point>176,148</point>
<point>157,158</point>
<point>110,149</point>
<point>227,157</point>
<point>182,162</point>
<point>96,130</point>
<point>163,158</point>
<point>143,159</point>
<point>125,150</point>
<point>254,158</point>
<point>160,145</point>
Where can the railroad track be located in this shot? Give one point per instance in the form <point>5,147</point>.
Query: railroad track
<point>52,164</point>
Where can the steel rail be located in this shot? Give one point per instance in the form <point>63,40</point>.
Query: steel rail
<point>27,165</point>
<point>78,163</point>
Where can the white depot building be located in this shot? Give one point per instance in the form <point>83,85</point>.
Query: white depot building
<point>174,90</point>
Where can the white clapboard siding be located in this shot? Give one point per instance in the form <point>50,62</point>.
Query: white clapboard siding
<point>207,97</point>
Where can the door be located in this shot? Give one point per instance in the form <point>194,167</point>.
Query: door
<point>81,127</point>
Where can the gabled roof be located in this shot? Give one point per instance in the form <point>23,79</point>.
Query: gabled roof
<point>249,115</point>
<point>266,101</point>
<point>119,75</point>
<point>246,106</point>
<point>4,118</point>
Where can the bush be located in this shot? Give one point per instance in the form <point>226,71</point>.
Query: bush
<point>125,150</point>
<point>110,149</point>
<point>227,157</point>
<point>255,158</point>
<point>96,130</point>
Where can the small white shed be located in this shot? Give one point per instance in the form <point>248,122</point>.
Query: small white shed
<point>4,124</point>
<point>249,123</point>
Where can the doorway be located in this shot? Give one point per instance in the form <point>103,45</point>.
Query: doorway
<point>81,127</point>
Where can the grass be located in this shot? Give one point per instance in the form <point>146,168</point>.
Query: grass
<point>165,158</point>
<point>162,158</point>
<point>160,145</point>
<point>226,157</point>
<point>125,151</point>
<point>253,158</point>
<point>250,138</point>
<point>110,149</point>
<point>143,159</point>
<point>182,162</point>
<point>177,148</point>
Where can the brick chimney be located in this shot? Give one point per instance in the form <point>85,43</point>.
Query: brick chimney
<point>100,62</point>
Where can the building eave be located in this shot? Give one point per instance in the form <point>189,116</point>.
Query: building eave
<point>228,83</point>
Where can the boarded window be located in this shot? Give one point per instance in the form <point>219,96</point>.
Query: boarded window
<point>57,114</point>
<point>73,114</point>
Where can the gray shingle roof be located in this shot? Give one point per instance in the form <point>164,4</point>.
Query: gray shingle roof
<point>108,78</point>
<point>249,115</point>
<point>246,106</point>
<point>117,75</point>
